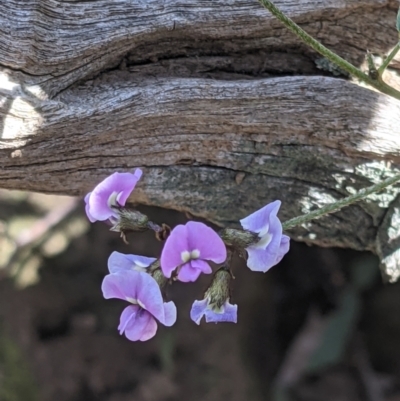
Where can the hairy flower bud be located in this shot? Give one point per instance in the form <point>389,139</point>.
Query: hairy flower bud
<point>129,220</point>
<point>238,238</point>
<point>218,292</point>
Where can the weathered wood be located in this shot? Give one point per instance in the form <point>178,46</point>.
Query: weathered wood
<point>54,44</point>
<point>222,107</point>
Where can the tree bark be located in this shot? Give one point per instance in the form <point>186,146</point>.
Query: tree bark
<point>222,107</point>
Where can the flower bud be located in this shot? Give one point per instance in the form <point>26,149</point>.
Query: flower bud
<point>129,220</point>
<point>218,291</point>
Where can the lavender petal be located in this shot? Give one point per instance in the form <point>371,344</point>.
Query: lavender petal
<point>169,313</point>
<point>127,315</point>
<point>207,241</point>
<point>171,256</point>
<point>137,324</point>
<point>198,310</point>
<point>259,220</point>
<point>187,273</point>
<point>120,261</point>
<point>228,315</point>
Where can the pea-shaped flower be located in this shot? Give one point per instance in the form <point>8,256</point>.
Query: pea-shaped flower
<point>187,249</point>
<point>272,244</point>
<point>112,191</point>
<point>138,320</point>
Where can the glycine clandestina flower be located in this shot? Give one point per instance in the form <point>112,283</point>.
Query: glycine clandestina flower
<point>272,244</point>
<point>112,191</point>
<point>188,247</point>
<point>215,306</point>
<point>142,291</point>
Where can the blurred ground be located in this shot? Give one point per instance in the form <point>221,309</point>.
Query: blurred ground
<point>320,326</point>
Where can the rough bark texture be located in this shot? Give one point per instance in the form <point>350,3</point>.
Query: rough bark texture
<point>223,108</point>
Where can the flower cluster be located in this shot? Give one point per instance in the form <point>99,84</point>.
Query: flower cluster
<point>188,251</point>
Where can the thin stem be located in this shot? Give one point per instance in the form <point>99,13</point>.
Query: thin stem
<point>334,207</point>
<point>334,58</point>
<point>388,59</point>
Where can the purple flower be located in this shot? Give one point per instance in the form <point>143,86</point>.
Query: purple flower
<point>273,245</point>
<point>141,290</point>
<point>112,191</point>
<point>118,262</point>
<point>188,247</point>
<point>215,306</point>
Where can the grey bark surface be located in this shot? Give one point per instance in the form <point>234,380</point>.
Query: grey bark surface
<point>222,107</point>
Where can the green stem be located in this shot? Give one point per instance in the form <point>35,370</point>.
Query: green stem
<point>388,59</point>
<point>334,58</point>
<point>334,207</point>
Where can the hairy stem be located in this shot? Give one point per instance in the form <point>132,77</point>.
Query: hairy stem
<point>388,59</point>
<point>334,207</point>
<point>331,56</point>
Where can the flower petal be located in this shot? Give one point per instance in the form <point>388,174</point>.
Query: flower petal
<point>87,208</point>
<point>202,265</point>
<point>275,232</point>
<point>128,184</point>
<point>260,260</point>
<point>127,315</point>
<point>137,324</point>
<point>171,256</point>
<point>257,221</point>
<point>113,286</point>
<point>263,257</point>
<point>228,315</point>
<point>132,285</point>
<point>138,287</point>
<point>283,248</point>
<point>120,261</point>
<point>207,241</point>
<point>120,184</point>
<point>198,310</point>
<point>150,330</point>
<point>188,273</point>
<point>149,296</point>
<point>275,229</point>
<point>169,313</point>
